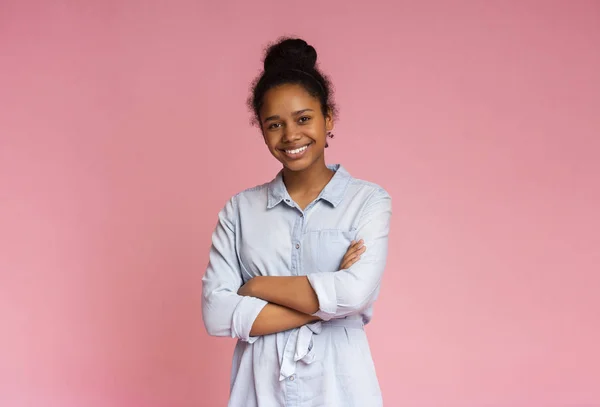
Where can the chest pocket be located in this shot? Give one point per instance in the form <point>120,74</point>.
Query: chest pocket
<point>329,246</point>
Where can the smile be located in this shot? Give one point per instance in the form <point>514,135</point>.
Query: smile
<point>297,151</point>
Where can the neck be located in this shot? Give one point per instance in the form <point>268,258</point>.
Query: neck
<point>313,178</point>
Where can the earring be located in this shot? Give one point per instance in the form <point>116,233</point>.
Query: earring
<point>329,135</point>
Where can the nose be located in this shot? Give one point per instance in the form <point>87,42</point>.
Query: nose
<point>291,133</point>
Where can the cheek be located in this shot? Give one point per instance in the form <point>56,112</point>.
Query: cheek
<point>267,138</point>
<point>271,141</point>
<point>319,136</point>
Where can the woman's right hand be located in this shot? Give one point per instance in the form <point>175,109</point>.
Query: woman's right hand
<point>353,254</point>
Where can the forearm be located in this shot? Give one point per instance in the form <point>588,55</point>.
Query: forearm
<point>293,292</point>
<point>276,318</point>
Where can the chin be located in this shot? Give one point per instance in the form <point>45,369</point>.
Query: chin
<point>296,165</point>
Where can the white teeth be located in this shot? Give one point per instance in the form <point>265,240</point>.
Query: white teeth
<point>296,151</point>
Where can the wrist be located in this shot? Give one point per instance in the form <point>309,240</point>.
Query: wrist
<point>313,318</point>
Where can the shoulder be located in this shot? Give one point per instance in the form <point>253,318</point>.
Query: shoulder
<point>368,190</point>
<point>359,188</point>
<point>368,186</point>
<point>255,194</point>
<point>371,197</point>
<point>374,201</point>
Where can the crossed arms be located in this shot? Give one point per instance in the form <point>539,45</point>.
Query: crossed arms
<point>269,304</point>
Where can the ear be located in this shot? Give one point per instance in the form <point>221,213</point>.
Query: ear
<point>329,120</point>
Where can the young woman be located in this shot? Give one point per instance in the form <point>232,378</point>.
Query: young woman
<point>296,264</point>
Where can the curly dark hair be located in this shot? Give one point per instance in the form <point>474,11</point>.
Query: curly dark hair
<point>291,61</point>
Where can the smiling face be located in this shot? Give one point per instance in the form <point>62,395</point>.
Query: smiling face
<point>294,127</point>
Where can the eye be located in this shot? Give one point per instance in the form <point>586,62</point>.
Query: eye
<point>273,126</point>
<point>303,119</point>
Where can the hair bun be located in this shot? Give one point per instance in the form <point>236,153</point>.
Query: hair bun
<point>290,53</point>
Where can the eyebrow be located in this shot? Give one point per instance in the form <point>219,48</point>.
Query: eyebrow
<point>296,113</point>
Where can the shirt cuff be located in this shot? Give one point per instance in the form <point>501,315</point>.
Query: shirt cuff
<point>244,316</point>
<point>324,286</point>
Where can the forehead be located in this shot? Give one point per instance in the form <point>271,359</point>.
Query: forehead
<point>287,98</point>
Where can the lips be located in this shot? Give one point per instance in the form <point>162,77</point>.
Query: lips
<point>296,152</point>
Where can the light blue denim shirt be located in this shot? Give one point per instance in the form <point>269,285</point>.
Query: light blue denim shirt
<point>262,231</point>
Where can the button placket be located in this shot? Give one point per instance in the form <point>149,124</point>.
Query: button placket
<point>296,246</point>
<point>292,382</point>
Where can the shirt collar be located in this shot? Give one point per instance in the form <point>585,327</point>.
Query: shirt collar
<point>333,192</point>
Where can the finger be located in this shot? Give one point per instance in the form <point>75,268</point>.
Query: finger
<point>359,243</point>
<point>352,246</point>
<point>353,259</point>
<point>357,255</point>
<point>357,251</point>
<point>351,254</point>
<point>355,243</point>
<point>355,246</point>
<point>349,263</point>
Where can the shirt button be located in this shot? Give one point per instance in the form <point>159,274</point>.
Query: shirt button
<point>297,245</point>
<point>292,378</point>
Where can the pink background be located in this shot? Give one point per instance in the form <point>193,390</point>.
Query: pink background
<point>123,130</point>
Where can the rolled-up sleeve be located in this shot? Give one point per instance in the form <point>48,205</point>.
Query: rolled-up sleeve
<point>224,312</point>
<point>349,291</point>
